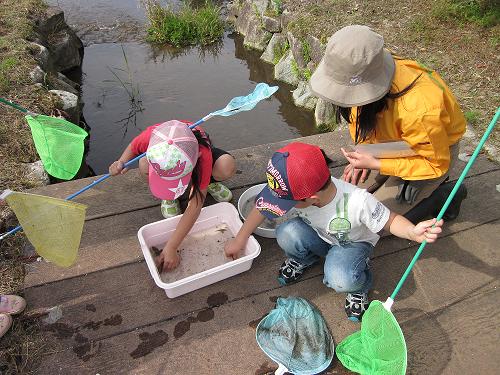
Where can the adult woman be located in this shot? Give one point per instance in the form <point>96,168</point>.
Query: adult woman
<point>385,98</point>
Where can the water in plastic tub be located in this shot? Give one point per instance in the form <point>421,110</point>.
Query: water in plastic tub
<point>199,252</point>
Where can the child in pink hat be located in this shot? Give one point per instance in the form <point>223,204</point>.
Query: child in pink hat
<point>176,158</point>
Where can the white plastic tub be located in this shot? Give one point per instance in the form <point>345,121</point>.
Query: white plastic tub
<point>158,233</point>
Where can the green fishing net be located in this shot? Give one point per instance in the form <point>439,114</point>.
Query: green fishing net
<point>59,144</point>
<point>378,348</point>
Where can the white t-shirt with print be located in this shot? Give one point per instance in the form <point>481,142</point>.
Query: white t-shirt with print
<point>353,215</point>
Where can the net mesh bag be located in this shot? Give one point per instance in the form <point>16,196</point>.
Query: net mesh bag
<point>53,226</point>
<point>378,348</point>
<point>59,144</point>
<point>295,335</point>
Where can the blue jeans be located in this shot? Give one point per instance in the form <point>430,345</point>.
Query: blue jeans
<point>346,266</point>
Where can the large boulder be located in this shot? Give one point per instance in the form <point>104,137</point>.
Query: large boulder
<point>283,70</point>
<point>303,97</point>
<point>70,104</point>
<point>271,24</point>
<point>66,48</point>
<point>324,114</point>
<point>51,21</point>
<point>41,55</point>
<point>317,49</point>
<point>274,49</point>
<point>37,75</point>
<point>299,51</point>
<point>257,37</point>
<point>36,172</point>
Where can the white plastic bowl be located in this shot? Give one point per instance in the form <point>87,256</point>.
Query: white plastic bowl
<point>248,195</point>
<point>157,233</point>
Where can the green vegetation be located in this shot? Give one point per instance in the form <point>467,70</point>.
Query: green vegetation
<point>277,7</point>
<point>472,117</point>
<point>306,52</point>
<point>482,12</point>
<point>280,50</point>
<point>329,127</point>
<point>21,347</point>
<point>188,26</point>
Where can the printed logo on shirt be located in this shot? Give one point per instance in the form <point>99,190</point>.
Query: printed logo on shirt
<point>378,213</point>
<point>339,226</point>
<point>266,206</point>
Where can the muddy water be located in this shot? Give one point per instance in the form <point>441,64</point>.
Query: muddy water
<point>169,84</point>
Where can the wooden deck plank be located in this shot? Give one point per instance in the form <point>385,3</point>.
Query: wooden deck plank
<point>112,241</point>
<point>222,339</point>
<point>130,192</point>
<point>106,296</point>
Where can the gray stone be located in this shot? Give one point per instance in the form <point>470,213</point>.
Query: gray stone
<point>303,97</point>
<point>67,49</point>
<point>62,77</point>
<point>269,54</point>
<point>260,5</point>
<point>283,70</point>
<point>37,75</point>
<point>35,171</point>
<point>53,20</point>
<point>271,24</point>
<point>286,18</point>
<point>256,37</point>
<point>41,55</point>
<point>70,104</point>
<point>317,49</point>
<point>324,112</point>
<point>243,17</point>
<point>297,50</point>
<point>59,84</point>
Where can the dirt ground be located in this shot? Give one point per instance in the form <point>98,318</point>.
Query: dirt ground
<point>466,55</point>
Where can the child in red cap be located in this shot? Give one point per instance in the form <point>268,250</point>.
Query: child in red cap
<point>336,220</point>
<point>178,157</point>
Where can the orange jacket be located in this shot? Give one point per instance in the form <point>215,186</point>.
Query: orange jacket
<point>427,117</point>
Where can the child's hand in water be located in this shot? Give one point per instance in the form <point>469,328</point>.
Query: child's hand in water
<point>233,248</point>
<point>167,260</point>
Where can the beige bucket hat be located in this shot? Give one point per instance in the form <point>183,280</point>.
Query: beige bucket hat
<point>355,70</point>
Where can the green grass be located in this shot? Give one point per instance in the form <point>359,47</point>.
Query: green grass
<point>280,50</point>
<point>188,26</point>
<point>306,52</point>
<point>472,117</point>
<point>485,13</point>
<point>277,7</point>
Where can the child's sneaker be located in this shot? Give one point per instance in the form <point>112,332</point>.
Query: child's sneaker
<point>220,192</point>
<point>170,208</point>
<point>356,305</point>
<point>290,271</point>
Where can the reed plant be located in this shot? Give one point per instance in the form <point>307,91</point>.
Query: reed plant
<point>183,27</point>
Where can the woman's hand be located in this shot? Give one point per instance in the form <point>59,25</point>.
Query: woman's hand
<point>425,231</point>
<point>354,175</point>
<point>361,161</point>
<point>168,260</point>
<point>117,168</point>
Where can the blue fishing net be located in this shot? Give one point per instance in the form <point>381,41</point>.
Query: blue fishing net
<point>246,103</point>
<point>295,334</point>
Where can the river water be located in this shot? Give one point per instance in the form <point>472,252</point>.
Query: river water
<point>169,84</point>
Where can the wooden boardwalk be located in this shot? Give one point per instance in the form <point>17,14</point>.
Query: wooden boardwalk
<point>115,320</point>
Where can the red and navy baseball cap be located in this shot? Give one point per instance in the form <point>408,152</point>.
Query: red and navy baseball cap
<point>296,171</point>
